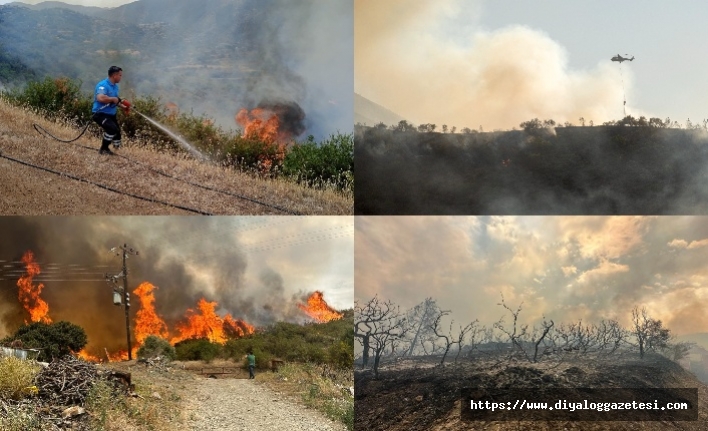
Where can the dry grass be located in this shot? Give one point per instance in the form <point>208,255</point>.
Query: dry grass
<point>109,413</point>
<point>16,376</point>
<point>28,191</point>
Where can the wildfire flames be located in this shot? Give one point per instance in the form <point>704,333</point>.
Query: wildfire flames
<point>201,322</point>
<point>272,122</point>
<point>205,323</point>
<point>29,293</point>
<point>318,309</point>
<point>147,322</point>
<point>260,124</point>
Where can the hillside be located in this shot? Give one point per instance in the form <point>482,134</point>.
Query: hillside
<point>369,113</point>
<point>415,395</point>
<point>565,170</point>
<point>142,182</point>
<point>210,58</point>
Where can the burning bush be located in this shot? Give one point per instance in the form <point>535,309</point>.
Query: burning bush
<point>16,377</point>
<point>55,340</point>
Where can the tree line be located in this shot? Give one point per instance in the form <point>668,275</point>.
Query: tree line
<point>386,332</point>
<point>535,124</point>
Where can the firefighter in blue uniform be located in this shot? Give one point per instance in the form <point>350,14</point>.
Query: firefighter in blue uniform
<point>105,104</point>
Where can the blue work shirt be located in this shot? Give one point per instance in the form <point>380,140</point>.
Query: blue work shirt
<point>109,89</point>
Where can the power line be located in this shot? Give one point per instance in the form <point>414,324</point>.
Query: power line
<point>103,186</point>
<point>159,172</point>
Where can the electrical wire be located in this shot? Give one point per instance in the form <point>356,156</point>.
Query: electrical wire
<point>43,131</point>
<point>103,186</point>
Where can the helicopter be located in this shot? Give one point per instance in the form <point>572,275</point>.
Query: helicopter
<point>621,59</point>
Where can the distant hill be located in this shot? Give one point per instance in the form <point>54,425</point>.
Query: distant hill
<point>369,113</point>
<point>86,10</point>
<point>212,57</point>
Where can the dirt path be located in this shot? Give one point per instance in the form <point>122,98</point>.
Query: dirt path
<point>241,404</point>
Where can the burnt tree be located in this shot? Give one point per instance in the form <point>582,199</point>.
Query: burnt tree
<point>378,326</point>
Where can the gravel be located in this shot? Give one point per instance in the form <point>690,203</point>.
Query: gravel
<point>241,404</point>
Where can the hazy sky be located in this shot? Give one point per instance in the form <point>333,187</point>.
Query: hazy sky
<point>565,268</point>
<point>497,63</point>
<point>256,268</point>
<point>99,3</point>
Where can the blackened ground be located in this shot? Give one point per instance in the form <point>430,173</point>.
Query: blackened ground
<point>417,395</point>
<point>602,170</point>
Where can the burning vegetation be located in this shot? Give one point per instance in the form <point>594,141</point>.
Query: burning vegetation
<point>199,322</point>
<point>318,309</point>
<point>29,294</point>
<point>272,123</point>
<point>205,323</point>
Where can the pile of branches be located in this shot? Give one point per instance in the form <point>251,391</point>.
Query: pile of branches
<point>67,381</point>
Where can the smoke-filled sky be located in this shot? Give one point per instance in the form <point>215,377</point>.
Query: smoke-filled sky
<point>98,3</point>
<point>563,268</point>
<point>494,64</point>
<point>256,268</point>
<point>275,51</point>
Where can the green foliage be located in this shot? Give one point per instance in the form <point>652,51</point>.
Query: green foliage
<point>16,376</point>
<point>54,339</point>
<point>59,98</point>
<point>331,163</point>
<point>325,343</point>
<point>12,70</point>
<point>156,346</point>
<point>341,355</point>
<point>200,349</point>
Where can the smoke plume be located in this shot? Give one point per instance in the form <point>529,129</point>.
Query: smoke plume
<point>186,258</point>
<point>422,62</point>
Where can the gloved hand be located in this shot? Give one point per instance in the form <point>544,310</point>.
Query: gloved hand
<point>125,105</point>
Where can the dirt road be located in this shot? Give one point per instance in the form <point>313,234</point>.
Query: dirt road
<point>241,404</point>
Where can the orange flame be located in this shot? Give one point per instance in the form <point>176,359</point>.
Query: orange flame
<point>318,309</point>
<point>29,293</point>
<point>147,322</point>
<point>260,124</point>
<point>207,324</point>
<point>86,356</point>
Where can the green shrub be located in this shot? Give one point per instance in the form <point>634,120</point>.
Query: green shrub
<point>56,98</point>
<point>341,355</point>
<point>329,164</point>
<point>156,346</point>
<point>200,349</point>
<point>55,340</point>
<point>16,377</point>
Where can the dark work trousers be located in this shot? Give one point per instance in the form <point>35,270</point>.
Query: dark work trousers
<point>250,371</point>
<point>111,129</point>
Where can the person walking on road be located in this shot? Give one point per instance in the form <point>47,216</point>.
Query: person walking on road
<point>105,104</point>
<point>251,364</point>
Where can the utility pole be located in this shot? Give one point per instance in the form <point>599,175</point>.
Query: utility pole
<point>123,250</point>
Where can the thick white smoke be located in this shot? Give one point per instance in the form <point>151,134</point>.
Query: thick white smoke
<point>428,64</point>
